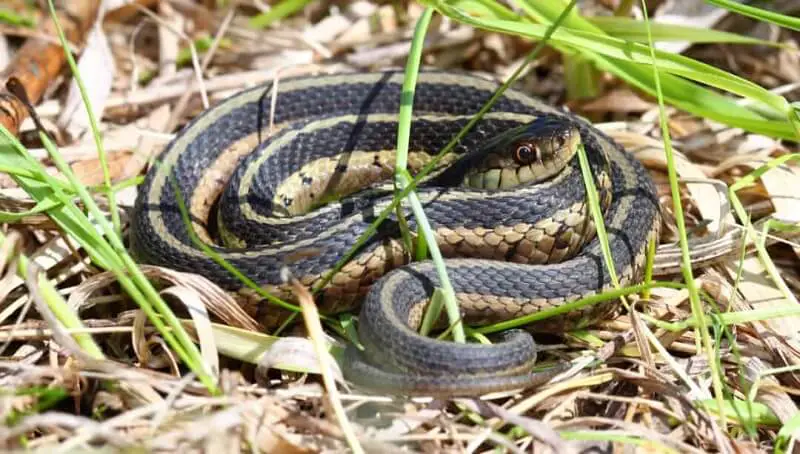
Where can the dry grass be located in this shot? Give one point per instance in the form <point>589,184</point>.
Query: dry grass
<point>138,396</point>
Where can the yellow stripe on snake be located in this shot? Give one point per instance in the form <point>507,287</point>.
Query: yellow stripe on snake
<point>297,182</point>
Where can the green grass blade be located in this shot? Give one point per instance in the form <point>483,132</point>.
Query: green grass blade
<point>11,17</point>
<point>67,317</point>
<point>627,53</point>
<point>60,309</point>
<point>593,201</point>
<point>786,434</point>
<point>686,266</point>
<point>581,77</point>
<point>201,44</point>
<point>743,412</point>
<point>277,12</point>
<point>759,14</point>
<point>106,252</point>
<point>41,206</point>
<point>101,153</point>
<point>403,178</point>
<point>768,113</point>
<point>626,28</point>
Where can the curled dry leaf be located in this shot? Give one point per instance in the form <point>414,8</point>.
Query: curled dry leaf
<point>200,295</point>
<point>202,325</point>
<point>9,249</point>
<point>141,347</point>
<point>216,300</point>
<point>781,184</point>
<point>296,354</point>
<point>711,204</point>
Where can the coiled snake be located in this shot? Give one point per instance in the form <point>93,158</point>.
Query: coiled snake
<point>508,208</point>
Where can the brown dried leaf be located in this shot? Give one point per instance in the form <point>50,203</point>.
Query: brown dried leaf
<point>216,300</point>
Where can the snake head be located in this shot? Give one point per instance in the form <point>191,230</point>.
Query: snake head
<point>527,154</point>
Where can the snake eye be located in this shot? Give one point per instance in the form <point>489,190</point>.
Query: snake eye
<point>525,154</point>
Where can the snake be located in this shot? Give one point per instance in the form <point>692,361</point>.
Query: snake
<point>287,176</point>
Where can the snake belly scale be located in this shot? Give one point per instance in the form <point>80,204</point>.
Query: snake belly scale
<point>259,162</point>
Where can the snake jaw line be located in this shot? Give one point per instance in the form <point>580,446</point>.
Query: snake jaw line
<point>529,154</point>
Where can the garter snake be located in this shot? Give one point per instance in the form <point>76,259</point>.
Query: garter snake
<point>265,161</point>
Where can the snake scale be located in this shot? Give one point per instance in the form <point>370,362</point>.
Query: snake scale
<point>273,177</point>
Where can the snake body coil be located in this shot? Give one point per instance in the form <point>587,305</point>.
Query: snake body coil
<point>280,161</point>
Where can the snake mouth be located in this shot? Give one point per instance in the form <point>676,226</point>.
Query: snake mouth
<point>529,154</point>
